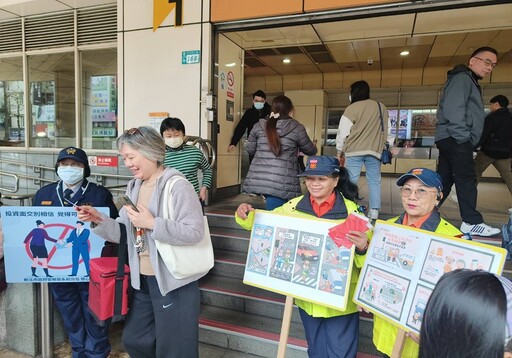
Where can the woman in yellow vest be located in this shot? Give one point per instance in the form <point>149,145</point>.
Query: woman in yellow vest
<point>330,333</point>
<point>421,190</point>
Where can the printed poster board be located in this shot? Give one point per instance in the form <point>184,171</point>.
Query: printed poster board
<point>403,265</point>
<point>296,257</point>
<point>70,252</point>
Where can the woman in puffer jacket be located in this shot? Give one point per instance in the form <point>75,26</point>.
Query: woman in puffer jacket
<point>274,143</point>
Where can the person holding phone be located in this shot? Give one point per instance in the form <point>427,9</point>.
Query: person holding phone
<point>73,189</point>
<point>163,320</point>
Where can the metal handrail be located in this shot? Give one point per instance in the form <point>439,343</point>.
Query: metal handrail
<point>16,182</point>
<point>206,147</point>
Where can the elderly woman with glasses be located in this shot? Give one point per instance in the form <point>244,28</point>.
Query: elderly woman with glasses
<point>164,311</point>
<point>421,190</point>
<point>331,195</point>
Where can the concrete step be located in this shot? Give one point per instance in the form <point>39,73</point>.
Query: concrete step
<point>230,239</point>
<point>248,333</point>
<point>221,219</point>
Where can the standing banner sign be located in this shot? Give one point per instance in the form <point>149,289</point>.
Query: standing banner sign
<point>403,265</point>
<point>46,244</point>
<point>296,257</point>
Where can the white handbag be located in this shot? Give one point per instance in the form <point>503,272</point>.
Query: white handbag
<point>184,261</point>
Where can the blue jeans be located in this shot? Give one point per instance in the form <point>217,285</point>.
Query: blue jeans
<point>272,202</point>
<point>373,177</point>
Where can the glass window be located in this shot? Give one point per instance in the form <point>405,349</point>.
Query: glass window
<point>99,98</point>
<point>333,122</point>
<point>416,127</point>
<point>12,115</point>
<point>52,100</point>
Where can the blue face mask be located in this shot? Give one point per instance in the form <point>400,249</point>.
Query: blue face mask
<point>70,175</point>
<point>259,105</point>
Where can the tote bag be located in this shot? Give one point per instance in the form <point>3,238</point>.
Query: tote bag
<point>184,261</point>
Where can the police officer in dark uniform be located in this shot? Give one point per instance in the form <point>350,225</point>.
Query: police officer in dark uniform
<point>88,340</point>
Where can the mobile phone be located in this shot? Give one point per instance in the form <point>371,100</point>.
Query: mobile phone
<point>125,200</point>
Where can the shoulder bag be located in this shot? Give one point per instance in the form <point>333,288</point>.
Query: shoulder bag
<point>184,261</point>
<point>386,156</point>
<point>108,285</point>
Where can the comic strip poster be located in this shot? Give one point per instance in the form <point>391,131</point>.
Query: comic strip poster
<point>403,265</point>
<point>297,257</point>
<point>47,244</point>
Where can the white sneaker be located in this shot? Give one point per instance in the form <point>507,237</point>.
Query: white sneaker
<point>373,214</point>
<point>479,229</point>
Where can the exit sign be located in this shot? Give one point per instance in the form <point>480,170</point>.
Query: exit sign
<point>188,57</point>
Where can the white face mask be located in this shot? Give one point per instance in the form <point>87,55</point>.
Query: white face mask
<point>174,142</point>
<point>70,175</point>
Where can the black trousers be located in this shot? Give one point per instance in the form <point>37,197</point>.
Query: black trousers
<point>456,166</point>
<point>163,326</point>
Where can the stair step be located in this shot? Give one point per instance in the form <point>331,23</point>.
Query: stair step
<point>230,239</point>
<point>224,220</point>
<point>249,333</point>
<point>226,292</point>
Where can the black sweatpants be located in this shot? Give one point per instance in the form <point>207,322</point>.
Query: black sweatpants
<point>162,326</point>
<point>456,165</point>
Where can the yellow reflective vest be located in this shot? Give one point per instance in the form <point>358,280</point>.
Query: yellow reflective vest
<point>384,333</point>
<point>314,309</point>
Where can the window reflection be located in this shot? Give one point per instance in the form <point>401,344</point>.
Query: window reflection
<point>99,91</point>
<point>52,100</point>
<point>12,116</point>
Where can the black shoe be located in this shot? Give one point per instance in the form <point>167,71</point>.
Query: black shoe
<point>86,276</point>
<point>49,276</point>
<point>71,275</point>
<point>34,275</point>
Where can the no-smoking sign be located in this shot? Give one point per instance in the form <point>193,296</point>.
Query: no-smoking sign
<point>231,78</point>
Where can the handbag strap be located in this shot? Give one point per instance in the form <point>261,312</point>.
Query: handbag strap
<point>381,119</point>
<point>121,261</point>
<point>167,204</point>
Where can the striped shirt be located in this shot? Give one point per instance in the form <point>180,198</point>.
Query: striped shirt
<point>188,160</point>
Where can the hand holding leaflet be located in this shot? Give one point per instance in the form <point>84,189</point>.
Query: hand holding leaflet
<point>354,222</point>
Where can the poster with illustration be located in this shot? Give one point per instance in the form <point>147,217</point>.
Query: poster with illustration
<point>403,264</point>
<point>384,290</point>
<point>298,258</point>
<point>47,244</point>
<point>307,260</point>
<point>419,302</point>
<point>335,268</point>
<point>284,253</point>
<point>443,257</point>
<point>259,249</point>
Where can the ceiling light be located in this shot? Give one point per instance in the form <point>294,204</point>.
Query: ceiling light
<point>286,60</point>
<point>404,53</point>
<point>232,64</point>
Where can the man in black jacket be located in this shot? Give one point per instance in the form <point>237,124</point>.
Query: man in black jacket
<point>260,109</point>
<point>496,141</point>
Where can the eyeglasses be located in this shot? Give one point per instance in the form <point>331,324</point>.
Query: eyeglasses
<point>132,131</point>
<point>487,62</point>
<point>420,193</point>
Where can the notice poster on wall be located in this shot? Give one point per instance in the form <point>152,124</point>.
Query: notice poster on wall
<point>47,244</point>
<point>297,257</point>
<point>403,265</point>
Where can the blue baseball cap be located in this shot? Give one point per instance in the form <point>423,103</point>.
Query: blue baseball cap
<point>428,177</point>
<point>320,166</point>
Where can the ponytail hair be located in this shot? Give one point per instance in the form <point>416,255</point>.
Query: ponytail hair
<point>282,106</point>
<point>348,189</point>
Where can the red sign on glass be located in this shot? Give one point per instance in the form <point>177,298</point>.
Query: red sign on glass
<point>103,161</point>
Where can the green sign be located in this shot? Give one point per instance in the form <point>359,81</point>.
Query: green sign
<point>189,57</point>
